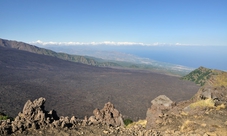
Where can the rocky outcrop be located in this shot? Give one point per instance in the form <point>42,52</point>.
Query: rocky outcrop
<point>34,116</point>
<point>160,105</point>
<point>107,116</point>
<point>208,97</point>
<point>218,94</point>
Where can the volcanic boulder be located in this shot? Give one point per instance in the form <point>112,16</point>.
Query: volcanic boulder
<point>160,105</point>
<point>218,94</point>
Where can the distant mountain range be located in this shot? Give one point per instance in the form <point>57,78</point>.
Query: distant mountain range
<point>103,59</point>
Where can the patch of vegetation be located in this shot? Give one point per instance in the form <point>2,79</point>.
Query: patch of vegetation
<point>143,123</point>
<point>127,122</point>
<point>4,117</point>
<point>203,103</point>
<point>200,76</point>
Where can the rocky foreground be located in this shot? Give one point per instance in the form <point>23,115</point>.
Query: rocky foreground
<point>205,114</point>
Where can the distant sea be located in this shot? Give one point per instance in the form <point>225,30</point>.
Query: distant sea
<point>214,57</point>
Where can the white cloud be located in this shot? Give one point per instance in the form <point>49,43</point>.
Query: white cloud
<point>110,43</point>
<point>181,44</point>
<point>39,42</point>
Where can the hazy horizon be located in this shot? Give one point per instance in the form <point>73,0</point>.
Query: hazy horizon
<point>190,56</point>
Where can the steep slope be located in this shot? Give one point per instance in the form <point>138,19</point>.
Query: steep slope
<point>64,56</point>
<point>76,89</point>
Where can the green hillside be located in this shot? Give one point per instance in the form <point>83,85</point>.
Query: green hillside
<point>204,76</point>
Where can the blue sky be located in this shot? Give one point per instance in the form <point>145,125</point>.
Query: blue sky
<point>151,22</point>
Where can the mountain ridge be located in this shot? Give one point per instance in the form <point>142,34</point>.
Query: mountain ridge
<point>43,51</point>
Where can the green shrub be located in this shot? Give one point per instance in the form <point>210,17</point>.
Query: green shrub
<point>4,117</point>
<point>128,121</point>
